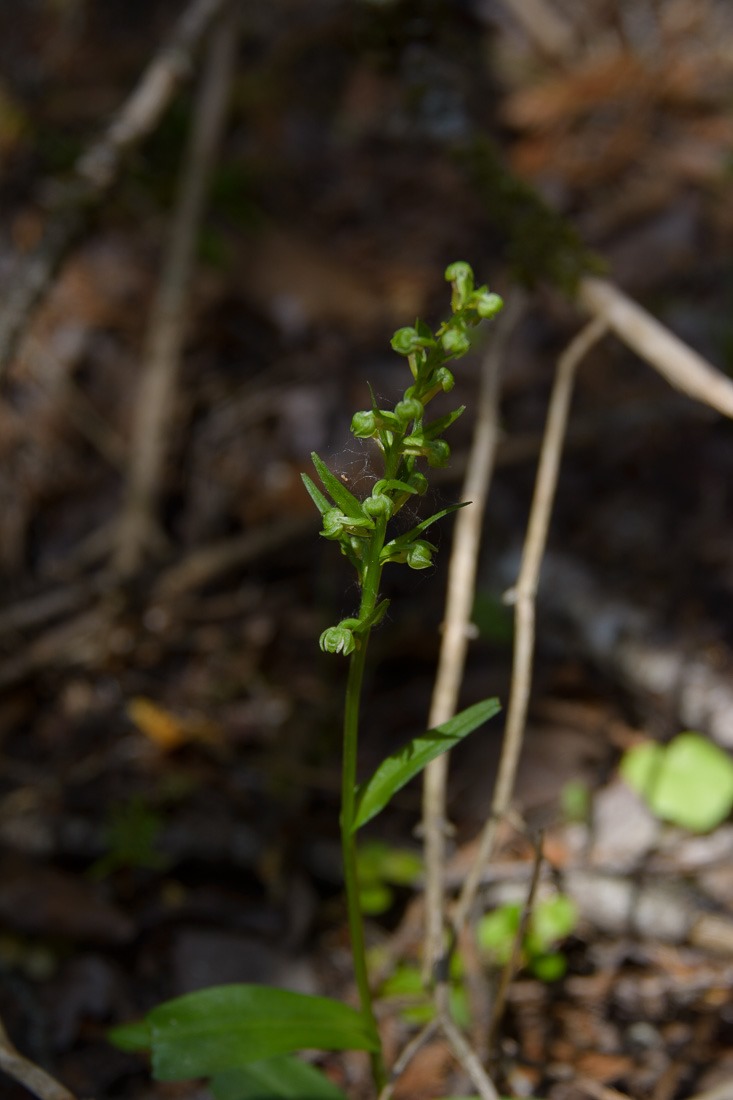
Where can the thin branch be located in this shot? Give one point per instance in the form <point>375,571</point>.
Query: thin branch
<point>523,597</point>
<point>456,624</point>
<point>167,328</point>
<point>548,30</point>
<point>513,962</point>
<point>406,1056</point>
<point>28,1074</point>
<point>97,169</point>
<point>467,1058</point>
<point>682,367</point>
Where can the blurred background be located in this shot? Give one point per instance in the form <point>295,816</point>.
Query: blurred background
<point>169,730</point>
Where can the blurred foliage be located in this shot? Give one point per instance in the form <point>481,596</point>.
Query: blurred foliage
<point>540,244</point>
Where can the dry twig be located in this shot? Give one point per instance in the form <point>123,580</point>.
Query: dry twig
<point>28,1074</point>
<point>98,168</point>
<point>513,962</point>
<point>682,367</point>
<point>523,597</point>
<point>464,1053</point>
<point>456,625</point>
<point>548,30</point>
<point>167,328</point>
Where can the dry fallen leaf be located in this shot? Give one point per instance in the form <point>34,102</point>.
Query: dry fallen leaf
<point>167,731</point>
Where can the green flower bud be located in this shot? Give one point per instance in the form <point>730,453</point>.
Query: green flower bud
<point>378,505</point>
<point>487,304</point>
<point>461,276</point>
<point>420,555</point>
<point>409,409</point>
<point>437,452</point>
<point>334,523</point>
<point>364,424</point>
<point>444,378</point>
<point>338,639</point>
<point>406,340</point>
<point>419,482</point>
<point>455,341</point>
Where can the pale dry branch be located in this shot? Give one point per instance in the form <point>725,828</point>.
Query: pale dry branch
<point>467,1057</point>
<point>167,328</point>
<point>97,169</point>
<point>523,597</point>
<point>547,29</point>
<point>514,961</point>
<point>407,1054</point>
<point>28,1074</point>
<point>457,623</point>
<point>682,367</point>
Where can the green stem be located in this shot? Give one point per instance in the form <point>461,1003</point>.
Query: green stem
<point>370,592</point>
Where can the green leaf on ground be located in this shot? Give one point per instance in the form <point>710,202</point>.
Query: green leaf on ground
<point>397,770</point>
<point>688,782</point>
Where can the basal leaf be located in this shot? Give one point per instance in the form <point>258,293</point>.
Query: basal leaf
<point>229,1026</point>
<point>392,774</point>
<point>346,501</point>
<point>283,1078</point>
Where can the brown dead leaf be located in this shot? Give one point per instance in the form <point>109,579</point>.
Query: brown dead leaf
<point>300,283</point>
<point>167,731</point>
<point>577,92</point>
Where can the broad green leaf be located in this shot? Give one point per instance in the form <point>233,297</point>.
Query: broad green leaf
<point>688,782</point>
<point>229,1026</point>
<point>392,774</point>
<point>553,919</point>
<point>284,1078</point>
<point>549,966</point>
<point>322,504</point>
<point>346,501</point>
<point>496,931</point>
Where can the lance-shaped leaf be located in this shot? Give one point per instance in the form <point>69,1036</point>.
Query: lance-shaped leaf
<point>284,1078</point>
<point>399,545</point>
<point>224,1027</point>
<point>436,427</point>
<point>392,774</point>
<point>322,503</point>
<point>346,501</point>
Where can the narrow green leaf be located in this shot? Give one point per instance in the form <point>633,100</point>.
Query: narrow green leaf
<point>322,504</point>
<point>346,501</point>
<point>284,1078</point>
<point>392,774</point>
<point>393,483</point>
<point>134,1036</point>
<point>229,1026</point>
<point>436,427</point>
<point>395,546</point>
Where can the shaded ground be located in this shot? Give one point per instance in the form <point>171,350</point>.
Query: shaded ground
<point>169,746</point>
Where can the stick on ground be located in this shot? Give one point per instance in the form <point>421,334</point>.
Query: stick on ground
<point>523,597</point>
<point>456,623</point>
<point>97,169</point>
<point>167,328</point>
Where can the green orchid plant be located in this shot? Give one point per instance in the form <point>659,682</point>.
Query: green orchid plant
<point>243,1037</point>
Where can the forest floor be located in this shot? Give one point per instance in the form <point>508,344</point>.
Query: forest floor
<point>170,735</point>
